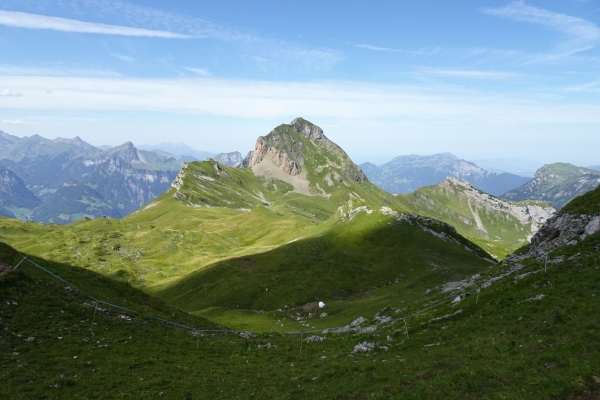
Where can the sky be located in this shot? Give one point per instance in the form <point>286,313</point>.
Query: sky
<point>505,82</point>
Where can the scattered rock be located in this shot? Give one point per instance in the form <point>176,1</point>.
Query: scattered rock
<point>247,335</point>
<point>314,338</point>
<point>389,338</point>
<point>538,297</point>
<point>461,285</point>
<point>126,318</point>
<point>519,277</point>
<point>446,316</point>
<point>362,347</point>
<point>266,346</point>
<point>368,329</point>
<point>30,339</point>
<point>323,315</point>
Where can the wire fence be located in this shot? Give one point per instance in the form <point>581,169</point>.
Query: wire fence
<point>196,330</point>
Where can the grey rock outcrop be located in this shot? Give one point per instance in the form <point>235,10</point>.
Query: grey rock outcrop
<point>563,230</point>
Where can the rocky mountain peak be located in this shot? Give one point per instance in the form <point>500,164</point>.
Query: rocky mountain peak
<point>126,151</point>
<point>76,142</point>
<point>292,147</point>
<point>308,129</point>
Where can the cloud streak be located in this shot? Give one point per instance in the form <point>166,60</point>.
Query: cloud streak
<point>391,50</point>
<point>9,93</point>
<point>194,27</point>
<point>13,122</point>
<point>36,21</point>
<point>468,74</point>
<point>204,72</point>
<point>347,100</point>
<point>578,34</point>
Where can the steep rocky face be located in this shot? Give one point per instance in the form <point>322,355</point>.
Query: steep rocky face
<point>125,176</point>
<point>292,146</point>
<point>405,174</point>
<point>556,184</point>
<point>15,198</point>
<point>579,219</point>
<point>495,224</point>
<point>564,230</point>
<point>233,159</point>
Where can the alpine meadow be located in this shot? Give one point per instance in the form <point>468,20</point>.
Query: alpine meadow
<point>267,200</point>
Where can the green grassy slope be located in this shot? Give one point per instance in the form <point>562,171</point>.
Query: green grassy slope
<point>499,229</point>
<point>500,346</point>
<point>367,252</point>
<point>586,204</point>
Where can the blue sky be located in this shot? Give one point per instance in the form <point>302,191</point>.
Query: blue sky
<point>482,79</point>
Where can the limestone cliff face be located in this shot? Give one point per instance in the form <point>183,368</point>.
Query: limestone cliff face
<point>534,214</point>
<point>291,146</point>
<point>564,230</point>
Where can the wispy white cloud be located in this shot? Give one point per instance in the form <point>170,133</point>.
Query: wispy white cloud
<point>55,70</point>
<point>127,59</point>
<point>13,122</point>
<point>392,50</point>
<point>259,59</point>
<point>284,100</point>
<point>578,34</point>
<point>36,21</point>
<point>468,73</point>
<point>9,93</point>
<point>156,20</point>
<point>586,87</point>
<point>199,71</point>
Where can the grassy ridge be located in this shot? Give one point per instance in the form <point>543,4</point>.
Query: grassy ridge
<point>500,233</point>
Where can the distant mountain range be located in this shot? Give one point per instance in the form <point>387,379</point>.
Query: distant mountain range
<point>233,159</point>
<point>595,167</point>
<point>556,184</point>
<point>43,180</point>
<point>178,150</point>
<point>405,174</point>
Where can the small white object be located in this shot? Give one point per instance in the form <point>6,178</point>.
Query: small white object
<point>321,304</point>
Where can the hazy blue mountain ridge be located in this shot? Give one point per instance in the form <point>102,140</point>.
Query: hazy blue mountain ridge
<point>180,151</point>
<point>556,184</point>
<point>405,174</point>
<point>123,177</point>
